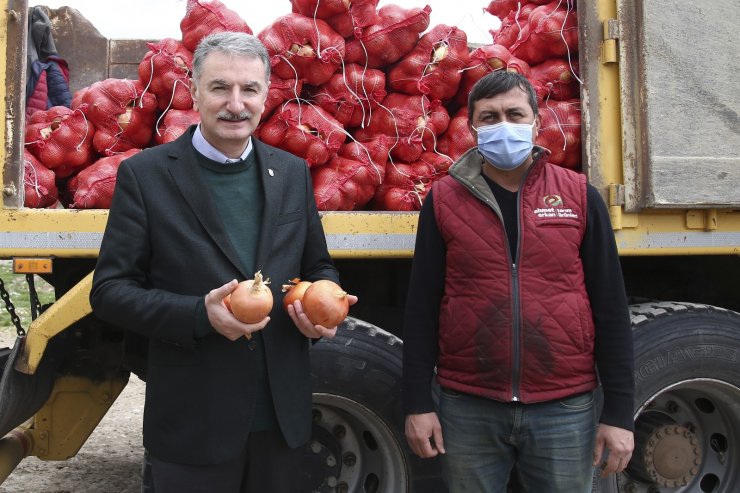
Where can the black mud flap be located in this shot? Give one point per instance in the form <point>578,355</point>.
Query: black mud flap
<point>21,395</point>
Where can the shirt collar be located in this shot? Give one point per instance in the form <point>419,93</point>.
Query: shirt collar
<point>204,147</point>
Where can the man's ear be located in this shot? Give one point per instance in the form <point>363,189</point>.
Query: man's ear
<point>194,94</point>
<point>472,131</point>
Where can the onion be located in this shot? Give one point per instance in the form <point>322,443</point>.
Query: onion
<point>294,291</point>
<point>325,303</point>
<point>251,301</point>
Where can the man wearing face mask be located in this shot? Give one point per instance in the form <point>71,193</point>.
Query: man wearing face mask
<point>517,308</point>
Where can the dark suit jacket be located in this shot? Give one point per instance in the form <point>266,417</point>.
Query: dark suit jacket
<point>164,248</point>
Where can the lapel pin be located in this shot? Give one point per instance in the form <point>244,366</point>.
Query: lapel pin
<point>270,172</point>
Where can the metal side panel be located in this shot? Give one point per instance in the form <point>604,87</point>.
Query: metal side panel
<point>13,72</point>
<point>680,100</point>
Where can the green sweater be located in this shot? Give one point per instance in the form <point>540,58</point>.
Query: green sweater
<point>240,200</point>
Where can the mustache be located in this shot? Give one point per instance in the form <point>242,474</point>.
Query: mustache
<point>227,115</point>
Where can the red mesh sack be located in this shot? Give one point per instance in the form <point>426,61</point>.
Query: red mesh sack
<point>408,175</point>
<point>413,121</point>
<point>208,17</point>
<point>343,16</point>
<point>482,61</point>
<point>457,140</point>
<point>165,71</point>
<point>395,33</point>
<point>304,130</point>
<point>555,79</point>
<point>551,31</point>
<point>560,132</point>
<point>39,183</point>
<point>173,124</point>
<point>362,13</point>
<point>502,8</point>
<point>93,186</point>
<point>303,47</point>
<point>281,90</point>
<point>434,66</point>
<point>349,180</point>
<point>123,115</point>
<point>61,138</point>
<point>511,26</point>
<point>437,163</point>
<point>399,198</point>
<point>352,95</point>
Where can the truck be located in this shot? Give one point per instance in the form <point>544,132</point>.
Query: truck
<point>661,143</point>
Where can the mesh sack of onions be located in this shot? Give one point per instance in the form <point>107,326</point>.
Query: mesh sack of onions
<point>482,61</point>
<point>413,121</point>
<point>281,90</point>
<point>560,132</point>
<point>457,140</point>
<point>351,96</point>
<point>122,113</point>
<point>408,175</point>
<point>509,32</point>
<point>39,183</point>
<point>437,163</point>
<point>304,130</point>
<point>395,33</point>
<point>555,79</point>
<point>551,31</point>
<point>399,198</point>
<point>304,48</point>
<point>502,8</point>
<point>349,180</point>
<point>62,139</point>
<point>343,16</point>
<point>173,124</point>
<point>93,186</point>
<point>165,71</point>
<point>208,17</point>
<point>434,66</point>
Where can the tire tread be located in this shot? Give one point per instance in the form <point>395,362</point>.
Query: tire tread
<point>643,313</point>
<point>357,325</point>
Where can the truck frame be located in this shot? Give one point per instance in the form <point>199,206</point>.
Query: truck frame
<point>669,176</point>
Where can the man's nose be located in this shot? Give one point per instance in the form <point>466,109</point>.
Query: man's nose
<point>235,101</point>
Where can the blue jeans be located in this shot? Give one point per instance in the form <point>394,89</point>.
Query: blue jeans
<point>551,443</point>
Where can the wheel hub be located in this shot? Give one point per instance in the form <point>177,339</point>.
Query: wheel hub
<point>671,454</point>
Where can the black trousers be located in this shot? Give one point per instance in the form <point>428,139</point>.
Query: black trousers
<point>266,465</point>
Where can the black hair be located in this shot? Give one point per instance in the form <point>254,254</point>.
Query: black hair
<point>498,82</point>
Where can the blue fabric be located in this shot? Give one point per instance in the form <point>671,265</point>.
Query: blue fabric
<point>551,443</point>
<point>57,87</point>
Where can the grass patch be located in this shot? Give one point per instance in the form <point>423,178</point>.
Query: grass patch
<point>17,286</point>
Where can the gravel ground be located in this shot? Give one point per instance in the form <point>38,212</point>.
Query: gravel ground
<point>109,462</point>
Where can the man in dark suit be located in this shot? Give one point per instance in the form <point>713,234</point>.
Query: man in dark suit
<point>224,412</point>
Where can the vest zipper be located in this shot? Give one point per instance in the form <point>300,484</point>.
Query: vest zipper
<point>516,331</point>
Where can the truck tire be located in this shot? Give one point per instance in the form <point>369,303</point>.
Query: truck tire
<point>687,401</point>
<point>358,443</point>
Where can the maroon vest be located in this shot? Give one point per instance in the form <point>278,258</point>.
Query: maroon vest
<point>515,333</point>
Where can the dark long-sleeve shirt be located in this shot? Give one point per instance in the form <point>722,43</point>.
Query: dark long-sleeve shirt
<point>604,285</point>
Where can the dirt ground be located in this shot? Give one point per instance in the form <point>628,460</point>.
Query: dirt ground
<point>109,462</point>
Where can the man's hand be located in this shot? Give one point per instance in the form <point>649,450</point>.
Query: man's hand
<point>223,320</point>
<point>304,324</point>
<point>619,443</point>
<point>424,434</point>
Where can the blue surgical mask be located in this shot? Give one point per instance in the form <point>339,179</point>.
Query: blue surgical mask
<point>505,145</point>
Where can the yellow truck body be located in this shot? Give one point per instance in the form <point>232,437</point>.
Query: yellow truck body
<point>661,142</point>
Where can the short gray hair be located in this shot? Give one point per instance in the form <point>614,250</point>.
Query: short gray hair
<point>232,43</point>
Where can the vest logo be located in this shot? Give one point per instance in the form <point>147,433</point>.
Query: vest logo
<point>553,201</point>
<point>554,209</point>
